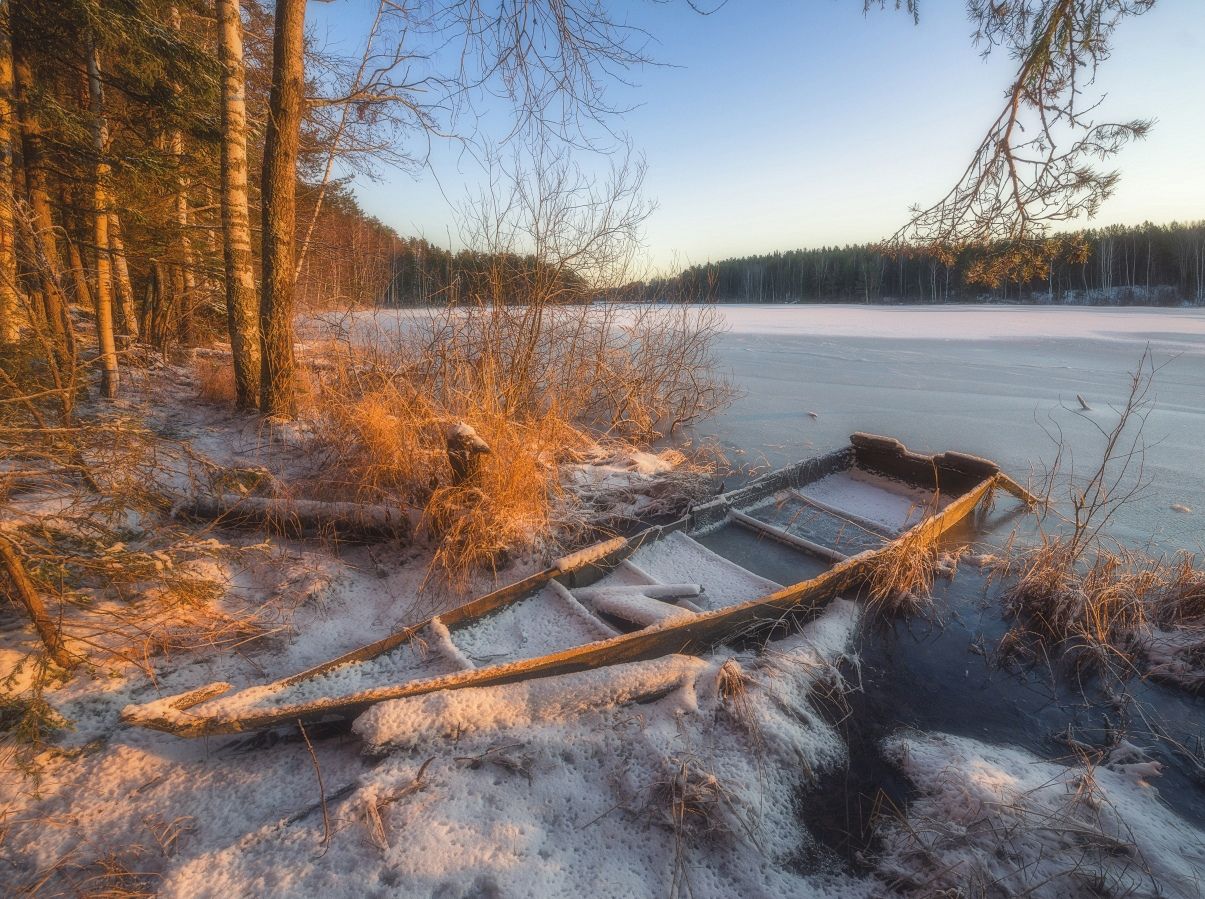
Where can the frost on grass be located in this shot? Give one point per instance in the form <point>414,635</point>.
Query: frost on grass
<point>997,821</point>
<point>646,779</point>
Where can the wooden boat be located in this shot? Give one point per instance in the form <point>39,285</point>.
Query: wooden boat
<point>822,523</point>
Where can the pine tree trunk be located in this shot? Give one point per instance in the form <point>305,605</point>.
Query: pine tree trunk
<point>100,220</point>
<point>242,312</point>
<point>75,259</point>
<point>277,396</point>
<point>123,286</point>
<point>10,301</point>
<point>184,278</point>
<point>44,244</point>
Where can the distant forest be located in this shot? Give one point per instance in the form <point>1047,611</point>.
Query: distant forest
<point>1139,265</point>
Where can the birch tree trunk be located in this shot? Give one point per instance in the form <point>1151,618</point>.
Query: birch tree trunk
<point>10,304</point>
<point>242,318</point>
<point>277,395</point>
<point>100,230</point>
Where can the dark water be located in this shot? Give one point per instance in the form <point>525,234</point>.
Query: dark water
<point>950,675</point>
<point>997,398</point>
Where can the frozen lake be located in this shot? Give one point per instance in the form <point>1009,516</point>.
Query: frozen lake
<point>981,379</point>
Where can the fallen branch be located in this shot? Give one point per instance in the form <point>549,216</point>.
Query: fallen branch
<point>24,591</point>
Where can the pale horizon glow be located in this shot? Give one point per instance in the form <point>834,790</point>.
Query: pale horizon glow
<point>779,126</point>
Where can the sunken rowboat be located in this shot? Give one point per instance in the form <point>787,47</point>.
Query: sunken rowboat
<point>735,567</point>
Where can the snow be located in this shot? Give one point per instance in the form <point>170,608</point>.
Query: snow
<point>475,711</point>
<point>677,559</point>
<point>1175,654</point>
<point>634,605</point>
<point>998,818</point>
<point>542,623</point>
<point>873,497</point>
<point>563,786</point>
<point>968,322</point>
<point>432,654</point>
<point>986,380</point>
<point>587,554</point>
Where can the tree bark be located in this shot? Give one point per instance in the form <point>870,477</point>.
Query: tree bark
<point>100,230</point>
<point>45,249</point>
<point>73,220</point>
<point>24,592</point>
<point>241,302</point>
<point>277,395</point>
<point>10,301</point>
<point>123,286</point>
<point>184,279</point>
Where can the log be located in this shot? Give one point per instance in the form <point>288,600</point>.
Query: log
<point>300,517</point>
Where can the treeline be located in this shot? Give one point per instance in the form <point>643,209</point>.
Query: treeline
<point>421,274</point>
<point>1145,264</point>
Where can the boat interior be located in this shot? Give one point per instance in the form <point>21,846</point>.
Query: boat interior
<point>783,530</point>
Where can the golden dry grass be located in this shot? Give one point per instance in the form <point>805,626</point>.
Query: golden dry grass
<point>1105,602</point>
<point>215,380</point>
<point>539,392</point>
<point>900,578</point>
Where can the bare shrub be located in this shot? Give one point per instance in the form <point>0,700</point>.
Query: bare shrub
<point>1079,588</point>
<point>522,354</point>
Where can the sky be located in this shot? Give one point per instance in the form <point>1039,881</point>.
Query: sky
<point>779,124</point>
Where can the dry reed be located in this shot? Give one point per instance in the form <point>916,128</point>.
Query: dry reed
<point>1109,605</point>
<point>215,380</point>
<point>900,577</point>
<point>542,388</point>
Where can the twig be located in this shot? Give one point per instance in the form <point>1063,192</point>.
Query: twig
<point>326,821</point>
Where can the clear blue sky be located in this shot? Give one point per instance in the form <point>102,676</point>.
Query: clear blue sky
<point>778,124</point>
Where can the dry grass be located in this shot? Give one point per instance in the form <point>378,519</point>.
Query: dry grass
<point>1106,605</point>
<point>215,380</point>
<point>543,388</point>
<point>1181,592</point>
<point>692,802</point>
<point>900,579</point>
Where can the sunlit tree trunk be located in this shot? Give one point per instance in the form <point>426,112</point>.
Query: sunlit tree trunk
<point>277,395</point>
<point>22,589</point>
<point>184,278</point>
<point>44,244</point>
<point>242,314</point>
<point>100,231</point>
<point>122,285</point>
<point>10,306</point>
